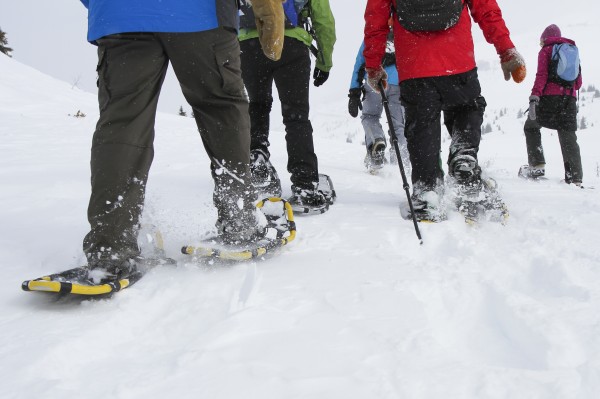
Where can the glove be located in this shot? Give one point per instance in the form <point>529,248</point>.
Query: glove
<point>374,76</point>
<point>270,23</point>
<point>534,101</point>
<point>512,63</point>
<point>320,76</point>
<point>354,103</point>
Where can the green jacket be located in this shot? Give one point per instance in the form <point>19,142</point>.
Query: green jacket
<point>324,26</point>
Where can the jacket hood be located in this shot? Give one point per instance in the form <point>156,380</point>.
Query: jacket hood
<point>550,31</point>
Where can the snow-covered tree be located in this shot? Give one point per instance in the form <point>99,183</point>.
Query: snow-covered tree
<point>182,112</point>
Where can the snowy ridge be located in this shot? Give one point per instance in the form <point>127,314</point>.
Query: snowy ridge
<point>353,308</point>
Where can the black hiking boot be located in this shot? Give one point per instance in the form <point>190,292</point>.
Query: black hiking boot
<point>264,176</point>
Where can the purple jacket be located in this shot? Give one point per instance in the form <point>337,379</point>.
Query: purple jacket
<point>541,86</point>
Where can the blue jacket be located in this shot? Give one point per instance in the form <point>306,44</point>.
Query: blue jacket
<point>356,82</point>
<point>106,17</point>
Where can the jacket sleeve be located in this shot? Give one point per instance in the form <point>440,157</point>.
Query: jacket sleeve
<point>487,14</point>
<point>376,30</point>
<point>356,81</point>
<point>86,3</point>
<point>541,76</point>
<point>324,26</point>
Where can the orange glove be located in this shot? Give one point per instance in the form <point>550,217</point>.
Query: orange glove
<point>513,64</point>
<point>270,23</point>
<point>374,76</point>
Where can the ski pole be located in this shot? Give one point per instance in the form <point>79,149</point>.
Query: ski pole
<point>394,141</point>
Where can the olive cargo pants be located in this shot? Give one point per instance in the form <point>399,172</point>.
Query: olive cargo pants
<point>131,70</point>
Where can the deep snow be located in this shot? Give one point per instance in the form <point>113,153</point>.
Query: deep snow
<point>354,308</point>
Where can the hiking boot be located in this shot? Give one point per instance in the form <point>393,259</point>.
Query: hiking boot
<point>264,176</point>
<point>242,231</point>
<point>308,200</point>
<point>377,153</point>
<point>427,203</point>
<point>111,270</point>
<point>464,169</point>
<point>375,158</point>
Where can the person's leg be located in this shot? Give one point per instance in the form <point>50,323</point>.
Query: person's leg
<point>423,105</point>
<point>463,116</point>
<point>533,141</point>
<point>131,69</point>
<point>257,72</point>
<point>292,78</point>
<point>370,117</point>
<point>571,156</point>
<point>397,112</point>
<point>207,65</point>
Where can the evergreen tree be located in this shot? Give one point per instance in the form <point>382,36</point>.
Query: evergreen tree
<point>182,112</point>
<point>4,44</point>
<point>487,128</point>
<point>582,123</point>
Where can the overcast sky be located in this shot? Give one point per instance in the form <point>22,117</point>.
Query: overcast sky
<point>51,36</point>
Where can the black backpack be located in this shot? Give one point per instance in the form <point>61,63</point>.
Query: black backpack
<point>428,15</point>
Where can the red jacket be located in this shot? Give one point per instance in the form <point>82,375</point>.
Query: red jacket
<point>541,86</point>
<point>427,54</point>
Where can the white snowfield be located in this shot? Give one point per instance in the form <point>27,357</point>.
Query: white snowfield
<point>354,308</point>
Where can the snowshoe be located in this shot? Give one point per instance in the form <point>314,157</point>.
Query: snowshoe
<point>280,230</point>
<point>325,187</point>
<point>532,172</point>
<point>480,200</point>
<point>92,282</point>
<point>306,201</point>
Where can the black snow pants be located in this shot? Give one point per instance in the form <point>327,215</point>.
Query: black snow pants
<point>291,75</point>
<point>424,100</point>
<point>559,113</point>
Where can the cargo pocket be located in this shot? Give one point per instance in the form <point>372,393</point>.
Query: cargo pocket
<point>230,69</point>
<point>103,92</point>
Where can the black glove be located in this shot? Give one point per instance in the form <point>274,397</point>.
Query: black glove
<point>354,103</point>
<point>320,76</point>
<point>533,103</point>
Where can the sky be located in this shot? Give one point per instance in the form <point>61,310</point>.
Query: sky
<point>51,37</point>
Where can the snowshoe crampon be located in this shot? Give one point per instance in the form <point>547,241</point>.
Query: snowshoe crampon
<point>482,204</point>
<point>280,231</point>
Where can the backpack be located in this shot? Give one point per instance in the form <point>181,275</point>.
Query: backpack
<point>428,15</point>
<point>291,8</point>
<point>564,64</point>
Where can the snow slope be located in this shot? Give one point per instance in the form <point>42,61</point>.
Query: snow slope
<point>354,308</point>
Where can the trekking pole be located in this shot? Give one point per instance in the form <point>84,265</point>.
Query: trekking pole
<point>394,141</point>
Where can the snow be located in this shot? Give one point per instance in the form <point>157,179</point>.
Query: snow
<point>353,308</point>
